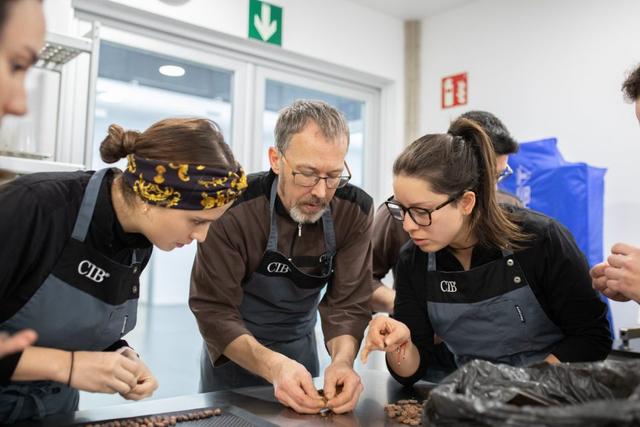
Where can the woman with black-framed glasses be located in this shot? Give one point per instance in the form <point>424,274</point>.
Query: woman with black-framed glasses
<point>421,216</point>
<point>495,282</point>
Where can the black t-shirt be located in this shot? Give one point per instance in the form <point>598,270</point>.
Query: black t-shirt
<point>37,215</point>
<point>556,270</point>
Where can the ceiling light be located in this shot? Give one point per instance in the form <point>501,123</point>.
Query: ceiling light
<point>171,70</point>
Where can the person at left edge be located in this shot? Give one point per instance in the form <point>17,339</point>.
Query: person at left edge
<point>257,279</point>
<point>618,277</point>
<point>75,244</point>
<point>22,28</point>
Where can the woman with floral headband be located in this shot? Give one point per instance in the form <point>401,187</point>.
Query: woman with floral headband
<point>74,247</point>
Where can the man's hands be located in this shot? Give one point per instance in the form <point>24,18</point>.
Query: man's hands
<point>619,277</point>
<point>342,387</point>
<point>293,386</point>
<point>292,383</point>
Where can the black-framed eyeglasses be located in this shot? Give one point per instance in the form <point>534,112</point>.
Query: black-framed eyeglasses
<point>311,180</point>
<point>504,173</point>
<point>420,216</point>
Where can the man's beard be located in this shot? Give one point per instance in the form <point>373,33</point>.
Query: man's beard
<point>302,218</point>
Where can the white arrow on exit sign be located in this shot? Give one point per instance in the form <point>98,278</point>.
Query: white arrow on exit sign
<point>263,23</point>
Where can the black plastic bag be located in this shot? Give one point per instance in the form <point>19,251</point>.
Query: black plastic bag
<point>570,394</point>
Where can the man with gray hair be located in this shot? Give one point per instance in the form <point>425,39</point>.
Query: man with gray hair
<point>257,279</point>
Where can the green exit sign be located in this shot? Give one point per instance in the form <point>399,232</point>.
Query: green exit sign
<point>265,22</point>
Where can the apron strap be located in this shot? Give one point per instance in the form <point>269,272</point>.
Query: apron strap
<point>136,259</point>
<point>22,397</point>
<point>17,410</point>
<point>42,412</point>
<point>87,206</point>
<point>329,232</point>
<point>431,262</point>
<point>272,243</point>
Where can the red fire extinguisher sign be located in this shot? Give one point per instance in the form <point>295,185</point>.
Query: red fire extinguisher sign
<point>454,90</point>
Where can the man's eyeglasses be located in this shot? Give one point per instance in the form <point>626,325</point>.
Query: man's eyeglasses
<point>420,216</point>
<point>504,173</point>
<point>310,180</point>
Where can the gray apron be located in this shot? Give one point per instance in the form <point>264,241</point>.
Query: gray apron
<point>279,307</point>
<point>87,303</point>
<point>489,313</point>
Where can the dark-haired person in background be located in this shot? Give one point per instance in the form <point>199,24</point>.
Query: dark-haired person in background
<point>388,235</point>
<point>495,282</point>
<point>619,276</point>
<point>78,244</point>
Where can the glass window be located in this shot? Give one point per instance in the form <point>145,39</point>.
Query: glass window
<point>279,95</point>
<point>132,91</point>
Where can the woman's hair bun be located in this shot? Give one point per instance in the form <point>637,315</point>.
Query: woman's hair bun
<point>118,144</point>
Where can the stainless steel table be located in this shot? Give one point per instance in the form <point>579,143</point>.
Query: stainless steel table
<point>379,389</point>
<point>621,352</point>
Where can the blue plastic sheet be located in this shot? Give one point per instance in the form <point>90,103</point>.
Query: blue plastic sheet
<point>572,193</point>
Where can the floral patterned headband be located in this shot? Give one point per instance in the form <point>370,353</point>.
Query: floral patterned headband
<point>183,185</point>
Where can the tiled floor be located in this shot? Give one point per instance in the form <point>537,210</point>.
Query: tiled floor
<point>168,340</point>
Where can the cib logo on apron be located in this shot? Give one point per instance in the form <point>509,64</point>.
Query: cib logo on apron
<point>278,267</point>
<point>448,286</point>
<point>91,271</point>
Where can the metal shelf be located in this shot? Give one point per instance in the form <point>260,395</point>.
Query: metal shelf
<point>25,155</point>
<point>60,49</point>
<point>21,165</point>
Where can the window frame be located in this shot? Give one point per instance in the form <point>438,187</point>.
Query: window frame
<point>252,61</point>
<point>333,87</point>
<point>188,53</point>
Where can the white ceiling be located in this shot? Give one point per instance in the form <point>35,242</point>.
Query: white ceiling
<point>412,9</point>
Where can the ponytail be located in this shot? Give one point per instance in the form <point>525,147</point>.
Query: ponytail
<point>464,160</point>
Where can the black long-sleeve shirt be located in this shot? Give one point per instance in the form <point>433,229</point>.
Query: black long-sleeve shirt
<point>37,215</point>
<point>556,270</point>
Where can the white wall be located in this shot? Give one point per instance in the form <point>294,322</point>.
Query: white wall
<point>337,31</point>
<point>549,68</point>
